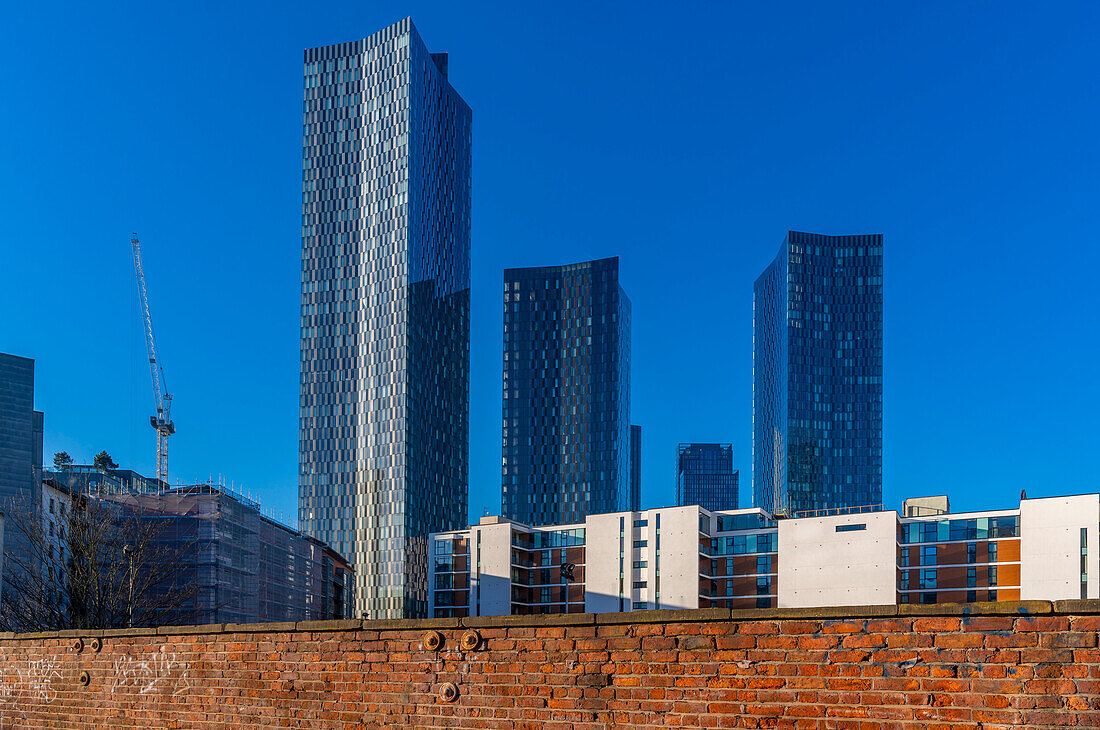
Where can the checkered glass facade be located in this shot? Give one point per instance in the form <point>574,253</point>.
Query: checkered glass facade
<point>566,393</point>
<point>385,331</point>
<point>705,476</point>
<point>817,375</point>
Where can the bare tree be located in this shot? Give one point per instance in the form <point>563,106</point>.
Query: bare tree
<point>92,562</point>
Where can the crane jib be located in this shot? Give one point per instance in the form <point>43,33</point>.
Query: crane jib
<point>162,400</point>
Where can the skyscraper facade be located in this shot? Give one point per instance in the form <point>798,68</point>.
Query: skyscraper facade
<point>705,476</point>
<point>635,468</point>
<point>817,375</point>
<point>20,453</point>
<point>566,394</point>
<point>385,332</point>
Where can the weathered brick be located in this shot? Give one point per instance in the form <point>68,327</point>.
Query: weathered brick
<point>839,669</point>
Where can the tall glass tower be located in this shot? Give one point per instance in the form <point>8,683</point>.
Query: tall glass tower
<point>384,406</point>
<point>20,458</point>
<point>817,375</point>
<point>635,468</point>
<point>705,476</point>
<point>566,404</point>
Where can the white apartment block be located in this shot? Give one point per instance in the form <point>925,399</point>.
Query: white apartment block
<point>689,557</point>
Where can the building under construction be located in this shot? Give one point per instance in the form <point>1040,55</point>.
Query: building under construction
<point>248,567</point>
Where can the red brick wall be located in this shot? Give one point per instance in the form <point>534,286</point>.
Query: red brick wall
<point>1030,664</point>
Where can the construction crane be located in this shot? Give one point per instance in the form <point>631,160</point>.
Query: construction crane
<point>162,399</point>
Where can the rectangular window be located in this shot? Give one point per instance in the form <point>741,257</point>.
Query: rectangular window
<point>641,563</point>
<point>971,553</point>
<point>851,528</point>
<point>928,555</point>
<point>992,575</point>
<point>1084,563</point>
<point>971,577</point>
<point>928,579</point>
<point>641,523</point>
<point>640,543</point>
<point>639,584</point>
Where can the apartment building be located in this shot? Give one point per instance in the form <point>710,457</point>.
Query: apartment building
<point>690,557</point>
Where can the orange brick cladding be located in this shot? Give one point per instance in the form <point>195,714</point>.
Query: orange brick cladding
<point>1026,664</point>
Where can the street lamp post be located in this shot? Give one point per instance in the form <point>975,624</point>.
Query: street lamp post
<point>128,551</point>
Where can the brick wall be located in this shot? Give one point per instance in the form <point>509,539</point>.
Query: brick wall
<point>1028,664</point>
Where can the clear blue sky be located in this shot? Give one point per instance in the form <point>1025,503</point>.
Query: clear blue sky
<point>685,138</point>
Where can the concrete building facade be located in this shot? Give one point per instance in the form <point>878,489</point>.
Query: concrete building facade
<point>691,557</point>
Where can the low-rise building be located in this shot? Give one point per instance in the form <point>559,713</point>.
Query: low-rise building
<point>241,565</point>
<point>248,567</point>
<point>690,557</point>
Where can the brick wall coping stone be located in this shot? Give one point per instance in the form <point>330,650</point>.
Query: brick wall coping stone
<point>993,608</point>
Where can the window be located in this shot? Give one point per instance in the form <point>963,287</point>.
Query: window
<point>993,575</point>
<point>641,523</point>
<point>641,563</point>
<point>640,543</point>
<point>971,596</point>
<point>639,584</point>
<point>1084,563</point>
<point>928,555</point>
<point>928,579</point>
<point>928,598</point>
<point>971,577</point>
<point>641,606</point>
<point>993,552</point>
<point>971,553</point>
<point>851,528</point>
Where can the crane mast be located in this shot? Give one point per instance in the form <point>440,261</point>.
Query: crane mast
<point>162,421</point>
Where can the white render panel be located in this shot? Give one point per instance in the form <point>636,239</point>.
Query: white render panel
<point>602,563</point>
<point>495,578</point>
<point>819,566</point>
<point>1050,546</point>
<point>679,559</point>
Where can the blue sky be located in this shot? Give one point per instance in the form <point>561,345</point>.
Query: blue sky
<point>685,138</point>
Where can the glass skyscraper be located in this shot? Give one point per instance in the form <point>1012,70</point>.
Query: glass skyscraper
<point>635,468</point>
<point>705,476</point>
<point>817,375</point>
<point>20,456</point>
<point>384,402</point>
<point>566,394</point>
